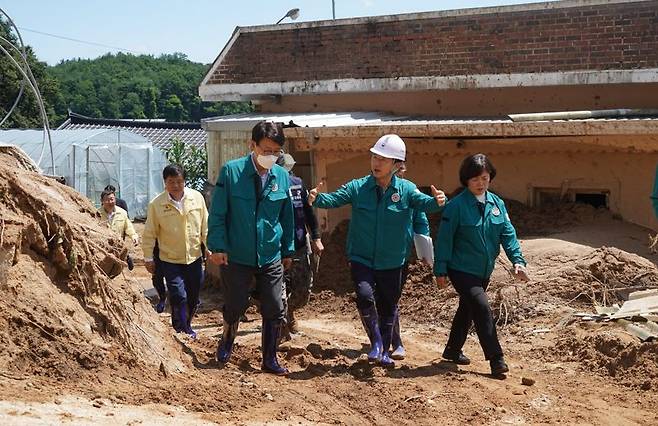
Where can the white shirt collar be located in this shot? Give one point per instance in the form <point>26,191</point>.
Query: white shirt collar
<point>178,204</point>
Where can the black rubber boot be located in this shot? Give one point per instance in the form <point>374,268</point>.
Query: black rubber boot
<point>225,346</point>
<point>270,335</point>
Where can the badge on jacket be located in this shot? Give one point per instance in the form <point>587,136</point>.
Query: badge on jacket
<point>275,187</point>
<point>495,211</point>
<point>395,197</point>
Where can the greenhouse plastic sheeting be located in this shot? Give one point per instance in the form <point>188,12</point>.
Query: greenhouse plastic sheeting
<point>90,159</point>
<point>135,170</point>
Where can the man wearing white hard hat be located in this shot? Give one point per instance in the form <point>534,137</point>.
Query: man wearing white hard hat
<point>377,242</point>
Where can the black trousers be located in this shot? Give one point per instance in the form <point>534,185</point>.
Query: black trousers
<point>473,307</point>
<point>237,281</point>
<point>382,288</point>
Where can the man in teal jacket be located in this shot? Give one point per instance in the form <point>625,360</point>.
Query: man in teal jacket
<point>251,234</point>
<point>377,241</point>
<point>473,226</point>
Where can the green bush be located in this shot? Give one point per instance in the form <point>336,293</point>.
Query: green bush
<point>192,159</point>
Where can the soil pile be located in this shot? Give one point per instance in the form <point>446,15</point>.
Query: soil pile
<point>65,308</point>
<point>551,218</point>
<point>610,353</point>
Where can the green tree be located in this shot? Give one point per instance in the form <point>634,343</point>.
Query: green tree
<point>154,79</point>
<point>151,106</point>
<point>192,159</point>
<point>173,109</point>
<point>27,112</point>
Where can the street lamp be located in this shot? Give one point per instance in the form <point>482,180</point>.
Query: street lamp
<point>292,14</point>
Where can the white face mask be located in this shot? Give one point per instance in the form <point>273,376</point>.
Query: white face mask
<point>266,161</point>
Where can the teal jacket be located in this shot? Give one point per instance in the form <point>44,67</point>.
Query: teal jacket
<point>654,195</point>
<point>469,242</point>
<point>378,235</point>
<point>254,229</point>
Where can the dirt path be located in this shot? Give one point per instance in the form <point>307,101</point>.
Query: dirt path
<point>584,373</point>
<point>331,383</point>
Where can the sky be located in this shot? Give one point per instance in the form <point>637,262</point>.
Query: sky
<point>197,28</point>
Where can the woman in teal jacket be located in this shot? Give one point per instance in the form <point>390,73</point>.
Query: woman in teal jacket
<point>473,226</point>
<point>377,242</point>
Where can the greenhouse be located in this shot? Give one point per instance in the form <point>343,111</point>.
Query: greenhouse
<point>89,160</point>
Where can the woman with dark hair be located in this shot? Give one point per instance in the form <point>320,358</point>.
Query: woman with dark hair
<point>473,226</point>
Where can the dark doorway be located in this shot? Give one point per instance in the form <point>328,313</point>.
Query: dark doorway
<point>595,200</point>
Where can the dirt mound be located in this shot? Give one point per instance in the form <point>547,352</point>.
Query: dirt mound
<point>334,271</point>
<point>594,276</point>
<point>610,353</point>
<point>65,308</point>
<point>552,217</point>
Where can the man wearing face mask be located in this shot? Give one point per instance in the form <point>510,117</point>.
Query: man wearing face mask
<point>251,235</point>
<point>377,242</point>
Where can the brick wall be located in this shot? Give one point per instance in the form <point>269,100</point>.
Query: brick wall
<point>614,36</point>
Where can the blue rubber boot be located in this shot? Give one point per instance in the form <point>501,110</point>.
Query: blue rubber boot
<point>175,317</point>
<point>371,324</point>
<point>225,346</point>
<point>386,330</point>
<point>396,339</point>
<point>184,320</point>
<point>270,336</point>
<point>160,306</point>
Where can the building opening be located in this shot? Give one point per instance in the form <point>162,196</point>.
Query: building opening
<point>596,200</point>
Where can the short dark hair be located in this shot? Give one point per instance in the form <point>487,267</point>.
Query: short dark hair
<point>172,170</point>
<point>473,166</point>
<point>268,130</point>
<point>110,188</point>
<point>105,193</point>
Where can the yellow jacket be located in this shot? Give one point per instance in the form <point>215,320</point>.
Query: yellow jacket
<point>179,234</point>
<point>119,223</point>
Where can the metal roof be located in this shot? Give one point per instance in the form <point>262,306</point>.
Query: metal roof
<point>330,123</point>
<point>159,133</point>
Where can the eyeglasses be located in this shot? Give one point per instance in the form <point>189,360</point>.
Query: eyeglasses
<point>276,152</point>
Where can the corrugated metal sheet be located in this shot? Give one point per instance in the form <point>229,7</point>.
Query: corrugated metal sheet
<point>353,119</point>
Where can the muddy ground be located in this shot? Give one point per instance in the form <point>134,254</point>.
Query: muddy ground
<point>77,353</point>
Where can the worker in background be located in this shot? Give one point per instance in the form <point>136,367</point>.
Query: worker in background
<point>377,242</point>
<point>420,228</point>
<point>119,202</point>
<point>298,279</point>
<point>178,220</point>
<point>473,226</point>
<point>117,219</point>
<point>251,234</point>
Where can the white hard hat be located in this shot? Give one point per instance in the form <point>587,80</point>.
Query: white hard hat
<point>390,146</point>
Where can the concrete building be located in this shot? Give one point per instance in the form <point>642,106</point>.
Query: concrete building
<point>457,82</point>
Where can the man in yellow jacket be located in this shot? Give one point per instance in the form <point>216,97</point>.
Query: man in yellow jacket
<point>117,220</point>
<point>178,220</point>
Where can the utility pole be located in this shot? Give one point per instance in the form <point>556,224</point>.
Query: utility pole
<point>333,8</point>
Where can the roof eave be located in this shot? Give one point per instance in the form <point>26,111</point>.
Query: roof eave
<point>484,130</point>
<point>251,91</point>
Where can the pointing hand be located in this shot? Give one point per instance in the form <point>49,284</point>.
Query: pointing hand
<point>438,195</point>
<point>313,193</point>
